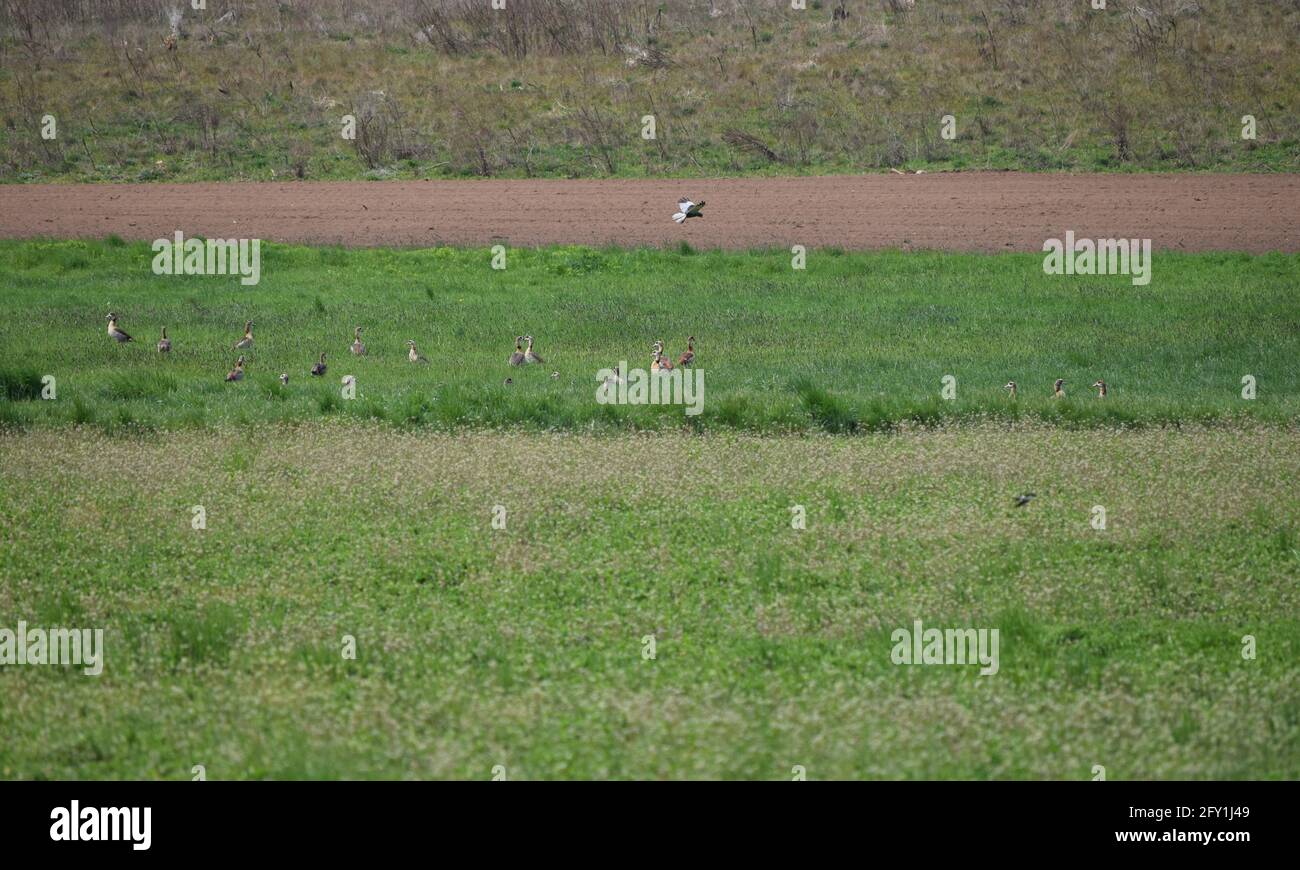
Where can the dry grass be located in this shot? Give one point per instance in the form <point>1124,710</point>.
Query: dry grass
<point>258,88</point>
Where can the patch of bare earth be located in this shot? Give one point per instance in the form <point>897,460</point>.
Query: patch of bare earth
<point>978,211</point>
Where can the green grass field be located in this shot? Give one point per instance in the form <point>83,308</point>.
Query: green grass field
<point>855,342</point>
<point>522,646</point>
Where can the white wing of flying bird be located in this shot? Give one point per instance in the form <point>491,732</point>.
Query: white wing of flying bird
<point>683,209</point>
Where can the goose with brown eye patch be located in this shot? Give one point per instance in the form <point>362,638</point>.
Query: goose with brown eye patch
<point>319,368</point>
<point>517,358</point>
<point>357,347</point>
<point>1058,389</point>
<point>115,332</point>
<point>1100,387</point>
<point>529,356</point>
<point>1010,387</point>
<point>237,373</point>
<point>414,355</point>
<point>164,343</point>
<point>247,341</point>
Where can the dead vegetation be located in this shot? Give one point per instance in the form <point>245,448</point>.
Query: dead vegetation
<point>146,89</point>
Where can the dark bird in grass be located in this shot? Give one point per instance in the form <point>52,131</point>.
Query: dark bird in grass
<point>517,358</point>
<point>1058,389</point>
<point>284,379</point>
<point>115,332</point>
<point>164,343</point>
<point>319,368</point>
<point>509,381</point>
<point>688,356</point>
<point>237,373</point>
<point>1022,500</point>
<point>247,340</point>
<point>687,209</point>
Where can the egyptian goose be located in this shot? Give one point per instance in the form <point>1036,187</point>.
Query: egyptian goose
<point>115,332</point>
<point>237,373</point>
<point>284,379</point>
<point>1100,387</point>
<point>517,358</point>
<point>688,356</point>
<point>661,363</point>
<point>1057,389</point>
<point>164,343</point>
<point>357,347</point>
<point>529,356</point>
<point>1010,387</point>
<point>414,355</point>
<point>247,341</point>
<point>319,368</point>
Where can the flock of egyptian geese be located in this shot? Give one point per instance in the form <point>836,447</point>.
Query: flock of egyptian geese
<point>523,355</point>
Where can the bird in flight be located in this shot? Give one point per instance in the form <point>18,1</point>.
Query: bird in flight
<point>687,209</point>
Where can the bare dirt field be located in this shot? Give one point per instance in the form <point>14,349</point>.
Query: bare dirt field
<point>979,211</point>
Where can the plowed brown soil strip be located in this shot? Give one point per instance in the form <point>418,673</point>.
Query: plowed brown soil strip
<point>995,211</point>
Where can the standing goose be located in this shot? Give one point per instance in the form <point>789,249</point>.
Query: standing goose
<point>284,379</point>
<point>414,355</point>
<point>115,332</point>
<point>164,343</point>
<point>661,363</point>
<point>247,341</point>
<point>1100,387</point>
<point>529,356</point>
<point>688,356</point>
<point>357,347</point>
<point>1010,387</point>
<point>1057,389</point>
<point>237,373</point>
<point>517,358</point>
<point>319,368</point>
